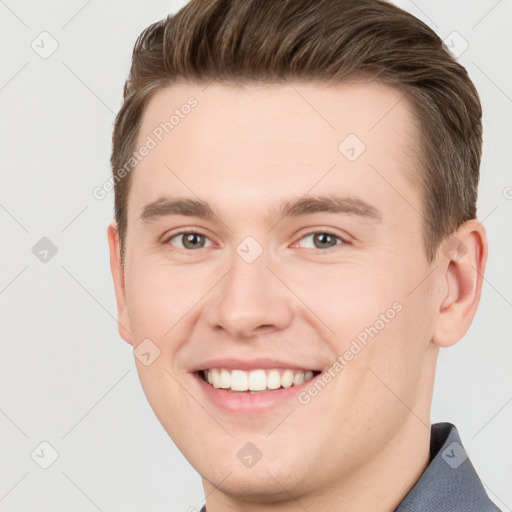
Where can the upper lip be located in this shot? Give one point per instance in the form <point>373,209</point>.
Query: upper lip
<point>250,364</point>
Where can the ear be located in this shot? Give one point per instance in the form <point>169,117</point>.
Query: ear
<point>463,260</point>
<point>117,269</point>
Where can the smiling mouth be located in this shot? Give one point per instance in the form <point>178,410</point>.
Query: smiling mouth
<point>255,381</point>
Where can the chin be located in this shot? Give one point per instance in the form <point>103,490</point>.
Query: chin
<point>253,487</point>
<point>268,481</point>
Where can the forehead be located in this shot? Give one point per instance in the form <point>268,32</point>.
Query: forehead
<point>256,143</point>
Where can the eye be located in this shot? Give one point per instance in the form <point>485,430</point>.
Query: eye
<point>323,240</point>
<point>191,240</point>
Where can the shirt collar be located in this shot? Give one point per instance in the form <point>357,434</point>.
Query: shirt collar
<point>450,482</point>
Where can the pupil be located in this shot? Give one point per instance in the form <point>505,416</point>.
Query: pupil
<point>323,238</point>
<point>191,240</point>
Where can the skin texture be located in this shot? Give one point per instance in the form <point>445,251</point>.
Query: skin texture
<point>244,150</point>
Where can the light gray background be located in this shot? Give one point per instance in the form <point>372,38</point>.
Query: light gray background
<point>67,378</point>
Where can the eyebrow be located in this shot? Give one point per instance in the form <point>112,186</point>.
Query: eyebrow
<point>165,207</point>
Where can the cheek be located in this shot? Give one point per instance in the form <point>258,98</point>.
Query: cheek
<point>347,298</point>
<point>393,367</point>
<point>158,297</point>
<point>372,323</point>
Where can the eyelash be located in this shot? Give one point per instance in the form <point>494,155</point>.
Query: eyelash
<point>318,232</point>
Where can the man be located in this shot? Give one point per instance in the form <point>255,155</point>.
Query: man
<point>295,239</point>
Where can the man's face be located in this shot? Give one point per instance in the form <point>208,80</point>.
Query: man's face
<point>254,289</point>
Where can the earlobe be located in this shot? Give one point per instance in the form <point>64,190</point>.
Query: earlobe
<point>117,269</point>
<point>463,257</point>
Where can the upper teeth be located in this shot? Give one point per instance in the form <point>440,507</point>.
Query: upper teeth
<point>255,380</point>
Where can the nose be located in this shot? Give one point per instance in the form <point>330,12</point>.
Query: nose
<point>250,300</point>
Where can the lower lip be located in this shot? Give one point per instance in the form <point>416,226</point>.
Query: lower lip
<point>243,402</point>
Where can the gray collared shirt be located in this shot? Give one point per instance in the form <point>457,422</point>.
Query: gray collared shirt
<point>450,482</point>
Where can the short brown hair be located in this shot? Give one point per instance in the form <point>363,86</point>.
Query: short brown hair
<point>271,41</point>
